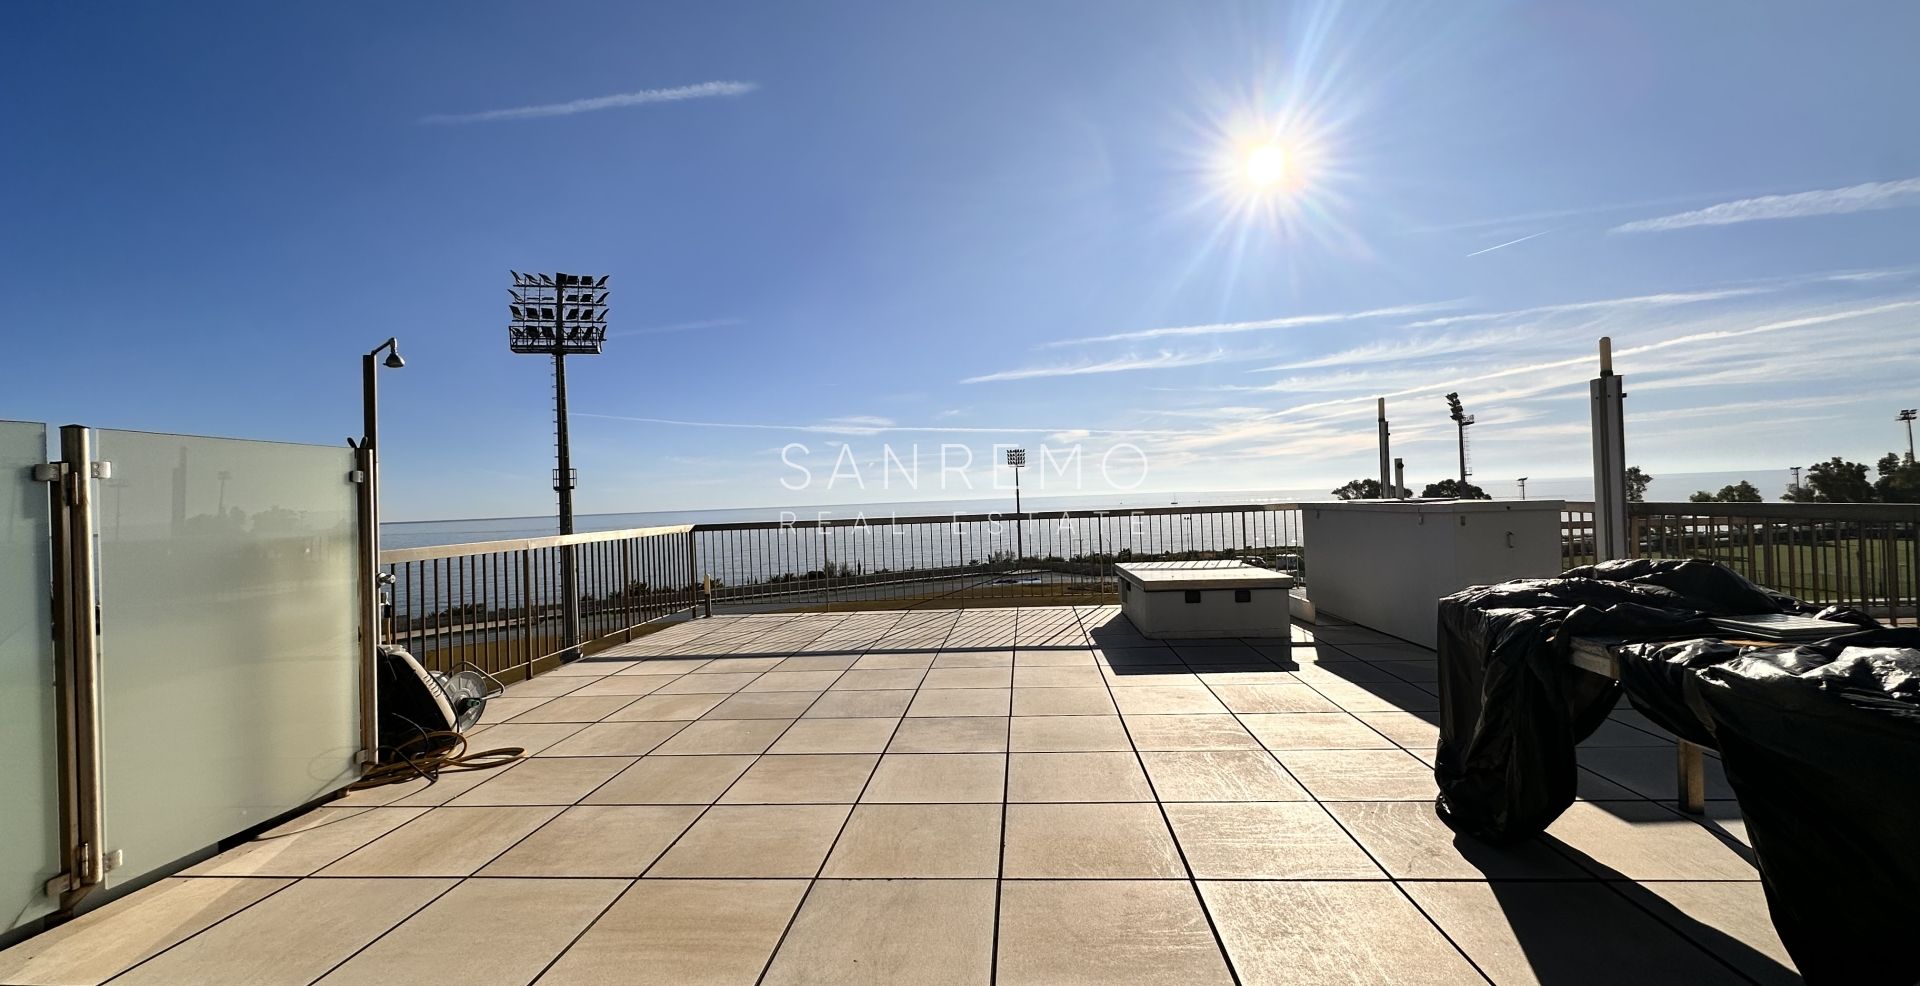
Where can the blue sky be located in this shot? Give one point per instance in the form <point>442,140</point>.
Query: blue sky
<point>909,225</point>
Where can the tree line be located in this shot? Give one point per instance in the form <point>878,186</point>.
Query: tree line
<point>1896,479</point>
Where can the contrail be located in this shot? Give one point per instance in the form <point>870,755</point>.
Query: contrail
<point>1502,246</point>
<point>676,94</point>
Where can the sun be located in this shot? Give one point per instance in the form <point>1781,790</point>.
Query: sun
<point>1265,166</point>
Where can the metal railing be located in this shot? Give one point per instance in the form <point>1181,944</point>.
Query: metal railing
<point>500,605</point>
<point>1864,555</point>
<point>1060,557</point>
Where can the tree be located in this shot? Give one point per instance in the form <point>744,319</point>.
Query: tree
<point>1364,489</point>
<point>1741,492</point>
<point>1833,481</point>
<point>1453,489</point>
<point>1637,480</point>
<point>1899,480</point>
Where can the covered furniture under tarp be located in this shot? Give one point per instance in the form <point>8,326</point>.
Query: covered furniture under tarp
<point>1819,741</point>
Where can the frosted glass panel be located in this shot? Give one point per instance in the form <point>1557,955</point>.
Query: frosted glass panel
<point>228,660</point>
<point>29,746</point>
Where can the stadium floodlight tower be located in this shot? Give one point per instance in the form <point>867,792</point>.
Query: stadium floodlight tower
<point>1907,415</point>
<point>1017,457</point>
<point>1523,487</point>
<point>560,315</point>
<point>1461,420</point>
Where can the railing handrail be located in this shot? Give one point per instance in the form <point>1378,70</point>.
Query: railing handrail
<point>883,520</point>
<point>396,556</point>
<point>1778,511</point>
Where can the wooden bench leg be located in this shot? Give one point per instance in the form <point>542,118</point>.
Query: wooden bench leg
<point>1693,778</point>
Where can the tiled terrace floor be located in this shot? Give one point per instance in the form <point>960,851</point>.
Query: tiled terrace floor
<point>986,796</point>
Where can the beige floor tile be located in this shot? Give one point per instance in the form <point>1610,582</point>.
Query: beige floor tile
<point>667,665</point>
<point>1073,676</point>
<point>969,678</point>
<point>1105,932</point>
<point>1146,675</point>
<point>1727,918</point>
<point>764,705</point>
<point>1068,734</point>
<point>953,734</point>
<point>1158,700</point>
<point>794,681</point>
<point>836,736</point>
<point>1272,698</point>
<point>684,932</point>
<point>634,685</point>
<point>803,778</point>
<point>1062,701</point>
<point>544,781</point>
<point>754,841</point>
<point>878,680</point>
<point>739,665</point>
<point>961,702</point>
<point>421,794</point>
<point>1380,696</point>
<point>1052,657</point>
<point>658,707</point>
<point>918,841</point>
<point>614,739</point>
<point>1284,840</point>
<point>596,841</point>
<point>1405,728</point>
<point>507,706</point>
<point>1220,775</point>
<point>938,778</point>
<point>443,842</point>
<point>552,685</point>
<point>1087,841</point>
<point>482,933</point>
<point>532,737</point>
<point>307,843</point>
<point>1314,731</point>
<point>575,708</point>
<point>1250,677</point>
<point>1411,842</point>
<point>1552,933</point>
<point>974,659</point>
<point>593,668</point>
<point>891,704</point>
<point>1196,732</point>
<point>662,780</point>
<point>818,662</point>
<point>725,736</point>
<point>889,933</point>
<point>894,662</point>
<point>102,943</point>
<point>1649,771</point>
<point>1640,840</point>
<point>1348,932</point>
<point>1076,777</point>
<point>291,938</point>
<point>703,683</point>
<point>1361,775</point>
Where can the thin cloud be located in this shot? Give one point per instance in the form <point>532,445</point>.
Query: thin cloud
<point>862,425</point>
<point>1636,301</point>
<point>1122,364</point>
<point>1503,246</point>
<point>1286,322</point>
<point>1820,202</point>
<point>676,94</point>
<point>1389,352</point>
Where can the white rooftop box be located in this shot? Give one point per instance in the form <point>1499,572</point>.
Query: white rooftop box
<point>1184,599</point>
<point>1385,564</point>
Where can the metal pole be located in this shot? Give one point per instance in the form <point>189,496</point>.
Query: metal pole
<point>570,594</point>
<point>369,502</point>
<point>85,865</point>
<point>1019,552</point>
<point>1608,397</point>
<point>1387,490</point>
<point>1460,424</point>
<point>1399,478</point>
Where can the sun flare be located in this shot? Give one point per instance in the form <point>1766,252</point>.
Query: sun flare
<point>1265,166</point>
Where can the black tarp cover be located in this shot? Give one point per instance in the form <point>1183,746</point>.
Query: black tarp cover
<point>1821,742</point>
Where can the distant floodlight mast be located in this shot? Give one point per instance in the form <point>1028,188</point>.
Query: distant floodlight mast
<point>1523,487</point>
<point>1461,420</point>
<point>1017,457</point>
<point>1907,415</point>
<point>560,315</point>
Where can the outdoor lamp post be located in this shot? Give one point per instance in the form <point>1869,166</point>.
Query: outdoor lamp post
<point>1017,457</point>
<point>368,454</point>
<point>1907,415</point>
<point>1523,487</point>
<point>560,315</point>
